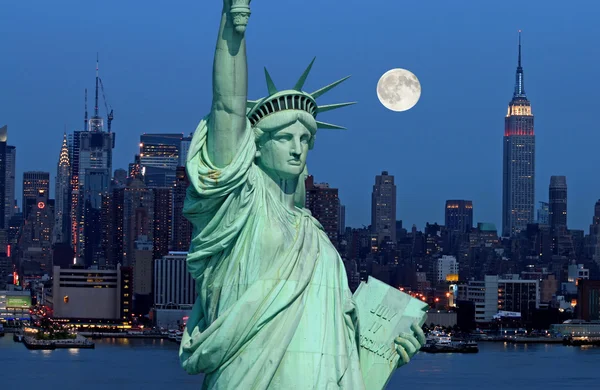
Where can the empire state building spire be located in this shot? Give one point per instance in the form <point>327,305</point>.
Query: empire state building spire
<point>520,82</point>
<point>518,176</point>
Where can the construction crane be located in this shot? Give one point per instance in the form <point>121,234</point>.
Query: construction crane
<point>109,113</point>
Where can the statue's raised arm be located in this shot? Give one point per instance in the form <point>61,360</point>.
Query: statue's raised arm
<point>230,84</point>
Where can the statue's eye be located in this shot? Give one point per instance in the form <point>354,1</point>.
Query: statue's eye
<point>283,137</point>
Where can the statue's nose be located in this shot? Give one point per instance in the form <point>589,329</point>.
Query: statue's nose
<point>296,148</point>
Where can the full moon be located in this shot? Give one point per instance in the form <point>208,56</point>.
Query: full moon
<point>399,90</point>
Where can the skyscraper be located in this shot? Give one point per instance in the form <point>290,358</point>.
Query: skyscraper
<point>182,228</point>
<point>518,185</point>
<point>163,219</point>
<point>324,204</point>
<point>62,196</point>
<point>159,158</point>
<point>9,192</point>
<point>92,245</point>
<point>138,217</point>
<point>459,215</point>
<point>543,213</point>
<point>91,157</point>
<point>594,244</point>
<point>557,196</point>
<point>558,204</point>
<point>3,139</point>
<point>383,207</point>
<point>33,182</point>
<point>36,240</point>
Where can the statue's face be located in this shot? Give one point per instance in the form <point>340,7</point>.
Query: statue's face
<point>282,153</point>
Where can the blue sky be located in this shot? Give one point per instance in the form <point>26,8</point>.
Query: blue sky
<point>156,60</point>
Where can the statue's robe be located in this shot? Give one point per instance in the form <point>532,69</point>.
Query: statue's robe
<point>274,310</point>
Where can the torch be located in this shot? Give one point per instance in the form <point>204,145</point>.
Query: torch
<point>240,12</point>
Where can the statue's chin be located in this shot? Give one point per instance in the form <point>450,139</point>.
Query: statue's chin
<point>288,173</point>
<point>240,29</point>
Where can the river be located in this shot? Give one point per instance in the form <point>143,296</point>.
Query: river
<point>153,365</point>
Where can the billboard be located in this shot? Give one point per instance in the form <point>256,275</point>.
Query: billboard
<point>21,301</point>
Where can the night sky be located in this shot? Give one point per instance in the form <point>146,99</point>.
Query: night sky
<point>156,63</point>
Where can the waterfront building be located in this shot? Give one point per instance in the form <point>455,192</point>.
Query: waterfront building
<point>91,295</point>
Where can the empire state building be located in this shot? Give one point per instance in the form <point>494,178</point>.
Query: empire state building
<point>518,187</point>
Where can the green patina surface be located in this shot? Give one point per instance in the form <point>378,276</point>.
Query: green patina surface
<point>274,309</point>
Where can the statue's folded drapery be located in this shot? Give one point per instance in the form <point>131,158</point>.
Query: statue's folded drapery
<point>273,308</point>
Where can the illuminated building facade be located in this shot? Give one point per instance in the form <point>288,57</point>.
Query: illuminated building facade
<point>62,230</point>
<point>383,208</point>
<point>33,183</point>
<point>518,186</point>
<point>3,137</point>
<point>81,295</point>
<point>459,215</point>
<point>324,204</point>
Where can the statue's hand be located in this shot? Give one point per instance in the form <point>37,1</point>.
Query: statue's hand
<point>407,345</point>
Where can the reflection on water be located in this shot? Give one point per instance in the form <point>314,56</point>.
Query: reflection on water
<point>154,365</point>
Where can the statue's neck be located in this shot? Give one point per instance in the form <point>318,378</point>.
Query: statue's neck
<point>282,189</point>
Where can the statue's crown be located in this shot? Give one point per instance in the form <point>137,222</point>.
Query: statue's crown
<point>293,99</point>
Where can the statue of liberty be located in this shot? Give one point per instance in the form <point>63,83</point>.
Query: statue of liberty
<point>274,310</point>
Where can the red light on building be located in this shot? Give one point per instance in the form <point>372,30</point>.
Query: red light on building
<point>8,250</point>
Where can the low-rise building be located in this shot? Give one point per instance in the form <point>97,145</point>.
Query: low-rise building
<point>91,295</point>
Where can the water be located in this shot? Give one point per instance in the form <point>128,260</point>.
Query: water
<point>153,365</point>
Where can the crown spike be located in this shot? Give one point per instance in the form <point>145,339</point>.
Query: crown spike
<point>327,88</point>
<point>329,126</point>
<point>270,84</point>
<point>302,80</point>
<point>329,107</point>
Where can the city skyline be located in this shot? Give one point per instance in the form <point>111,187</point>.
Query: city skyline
<point>159,99</point>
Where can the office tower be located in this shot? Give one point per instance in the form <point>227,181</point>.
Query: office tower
<point>459,215</point>
<point>62,195</point>
<point>142,275</point>
<point>182,228</point>
<point>73,143</point>
<point>138,217</point>
<point>543,213</point>
<point>174,286</point>
<point>557,196</point>
<point>163,219</point>
<point>135,168</point>
<point>159,158</point>
<point>3,139</point>
<point>36,240</point>
<point>91,152</point>
<point>558,203</point>
<point>183,152</point>
<point>518,185</point>
<point>120,178</point>
<point>33,182</point>
<point>324,204</point>
<point>342,219</point>
<point>9,193</point>
<point>92,245</point>
<point>383,208</point>
<point>116,221</point>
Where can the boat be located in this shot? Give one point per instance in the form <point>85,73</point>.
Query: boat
<point>1,330</point>
<point>438,337</point>
<point>440,342</point>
